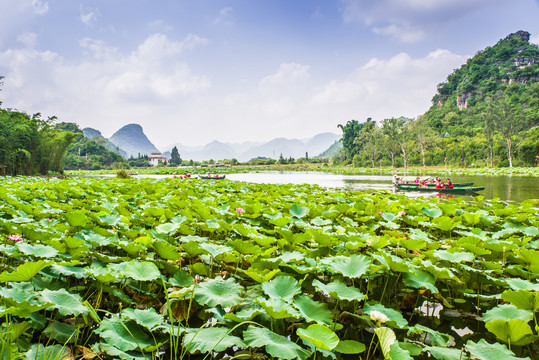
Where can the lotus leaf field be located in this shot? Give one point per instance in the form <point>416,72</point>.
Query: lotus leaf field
<point>148,269</point>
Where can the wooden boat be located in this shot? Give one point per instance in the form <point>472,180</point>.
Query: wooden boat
<point>212,177</point>
<point>434,185</point>
<point>454,190</point>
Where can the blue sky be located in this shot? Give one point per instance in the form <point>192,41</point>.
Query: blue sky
<point>240,70</point>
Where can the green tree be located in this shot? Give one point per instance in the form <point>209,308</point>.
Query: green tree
<point>509,119</point>
<point>175,158</point>
<point>350,132</point>
<point>390,131</point>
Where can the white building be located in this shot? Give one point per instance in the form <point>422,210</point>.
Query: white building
<point>155,158</point>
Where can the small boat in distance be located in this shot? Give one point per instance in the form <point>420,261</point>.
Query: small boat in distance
<point>453,190</point>
<point>434,185</point>
<point>212,177</point>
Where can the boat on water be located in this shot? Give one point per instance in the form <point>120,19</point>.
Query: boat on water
<point>212,177</point>
<point>453,190</point>
<point>434,185</point>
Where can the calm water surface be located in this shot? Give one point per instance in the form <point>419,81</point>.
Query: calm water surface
<point>510,188</point>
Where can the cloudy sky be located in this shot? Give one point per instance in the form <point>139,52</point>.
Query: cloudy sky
<point>193,71</point>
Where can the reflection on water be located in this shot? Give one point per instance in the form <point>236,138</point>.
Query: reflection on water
<point>512,188</point>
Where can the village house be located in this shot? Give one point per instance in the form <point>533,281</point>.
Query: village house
<point>155,158</point>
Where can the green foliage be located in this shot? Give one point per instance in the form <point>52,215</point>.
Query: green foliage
<point>175,158</point>
<point>142,268</point>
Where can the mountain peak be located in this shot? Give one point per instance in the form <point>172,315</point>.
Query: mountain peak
<point>132,139</point>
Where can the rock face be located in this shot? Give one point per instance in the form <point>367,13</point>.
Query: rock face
<point>523,35</point>
<point>462,100</point>
<point>133,141</point>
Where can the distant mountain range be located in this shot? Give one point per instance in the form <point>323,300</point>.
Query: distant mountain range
<point>130,140</point>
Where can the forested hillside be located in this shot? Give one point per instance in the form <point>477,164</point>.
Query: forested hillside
<point>485,114</point>
<point>90,154</point>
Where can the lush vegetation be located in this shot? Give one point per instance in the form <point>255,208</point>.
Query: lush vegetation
<point>142,268</point>
<point>486,114</point>
<point>31,145</point>
<point>90,154</point>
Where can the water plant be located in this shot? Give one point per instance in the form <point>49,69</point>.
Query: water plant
<point>146,268</point>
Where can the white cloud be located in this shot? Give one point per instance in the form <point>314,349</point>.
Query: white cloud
<point>400,85</point>
<point>106,90</point>
<point>534,39</point>
<point>40,7</point>
<point>226,16</point>
<point>409,20</point>
<point>87,16</point>
<point>27,38</point>
<point>287,73</point>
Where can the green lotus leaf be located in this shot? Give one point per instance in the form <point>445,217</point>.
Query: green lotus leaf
<point>445,223</point>
<point>142,270</point>
<point>436,338</point>
<point>386,337</point>
<point>98,240</point>
<point>482,350</point>
<point>353,266</point>
<point>65,302</point>
<point>421,279</point>
<point>507,312</point>
<point>110,219</point>
<point>531,231</point>
<point>148,318</point>
<point>319,221</point>
<point>38,250</point>
<point>517,284</point>
<point>522,299</point>
<point>181,278</point>
<point>117,353</point>
<point>102,274</point>
<point>40,352</point>
<point>124,335</point>
<point>25,272</point>
<point>214,249</point>
<point>282,287</point>
<point>299,211</point>
<point>77,272</point>
<point>61,332</point>
<point>444,353</point>
<point>276,345</point>
<point>350,347</point>
<point>514,332</point>
<point>25,309</point>
<point>166,251</point>
<point>389,216</point>
<point>398,353</point>
<point>339,290</point>
<point>210,339</point>
<point>168,228</point>
<point>77,218</point>
<point>393,315</point>
<point>219,291</point>
<point>245,247</point>
<point>454,257</point>
<point>414,244</point>
<point>531,258</point>
<point>261,276</point>
<point>15,294</point>
<point>320,336</point>
<point>432,212</point>
<point>244,314</point>
<point>278,308</point>
<point>313,310</point>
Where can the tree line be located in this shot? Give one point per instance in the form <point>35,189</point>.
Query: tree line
<point>500,130</point>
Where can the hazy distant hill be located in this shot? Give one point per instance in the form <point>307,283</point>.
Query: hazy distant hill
<point>295,148</point>
<point>133,141</point>
<point>93,133</point>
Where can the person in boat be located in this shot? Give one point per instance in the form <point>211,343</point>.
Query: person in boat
<point>396,180</point>
<point>439,184</point>
<point>449,184</point>
<point>417,181</point>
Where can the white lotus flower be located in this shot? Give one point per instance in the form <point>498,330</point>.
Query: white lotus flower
<point>379,317</point>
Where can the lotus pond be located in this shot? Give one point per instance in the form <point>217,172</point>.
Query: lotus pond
<point>167,269</point>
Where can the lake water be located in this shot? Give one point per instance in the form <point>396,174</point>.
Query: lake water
<point>511,188</point>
